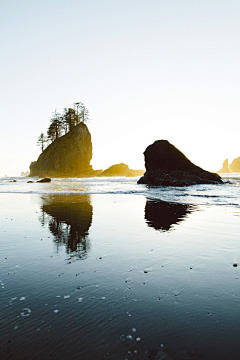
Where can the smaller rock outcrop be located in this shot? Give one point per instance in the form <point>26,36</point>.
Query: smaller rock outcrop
<point>168,166</point>
<point>45,180</point>
<point>224,168</point>
<point>121,170</point>
<point>25,173</point>
<point>235,165</point>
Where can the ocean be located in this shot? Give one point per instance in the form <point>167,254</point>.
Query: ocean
<point>227,194</point>
<point>104,268</point>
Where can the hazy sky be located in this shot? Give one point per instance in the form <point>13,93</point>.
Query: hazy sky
<point>145,69</point>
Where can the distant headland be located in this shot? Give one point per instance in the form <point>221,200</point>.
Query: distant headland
<point>230,168</point>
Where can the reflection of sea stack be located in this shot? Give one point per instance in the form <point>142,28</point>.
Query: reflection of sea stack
<point>224,168</point>
<point>69,155</point>
<point>162,215</point>
<point>167,166</point>
<point>70,218</point>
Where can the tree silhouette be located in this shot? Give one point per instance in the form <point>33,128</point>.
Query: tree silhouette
<point>56,127</point>
<point>65,122</point>
<point>84,114</point>
<point>42,139</point>
<point>69,119</point>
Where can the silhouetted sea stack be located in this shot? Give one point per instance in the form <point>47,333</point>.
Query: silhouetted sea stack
<point>69,155</point>
<point>167,166</point>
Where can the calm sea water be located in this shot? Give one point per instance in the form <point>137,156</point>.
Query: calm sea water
<point>103,268</point>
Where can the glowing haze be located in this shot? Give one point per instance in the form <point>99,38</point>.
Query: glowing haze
<point>146,70</point>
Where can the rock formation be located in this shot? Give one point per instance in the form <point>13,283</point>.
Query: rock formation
<point>224,168</point>
<point>235,165</point>
<point>121,170</point>
<point>45,180</point>
<point>69,155</point>
<point>167,166</point>
<point>25,173</point>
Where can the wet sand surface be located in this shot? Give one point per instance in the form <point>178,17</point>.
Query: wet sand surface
<point>118,277</point>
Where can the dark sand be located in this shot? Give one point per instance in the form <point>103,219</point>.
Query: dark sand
<point>117,277</point>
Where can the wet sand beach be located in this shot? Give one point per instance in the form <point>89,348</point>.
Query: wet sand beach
<point>117,277</point>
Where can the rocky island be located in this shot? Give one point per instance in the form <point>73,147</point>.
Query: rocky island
<point>224,168</point>
<point>235,165</point>
<point>121,170</point>
<point>168,166</point>
<point>67,156</point>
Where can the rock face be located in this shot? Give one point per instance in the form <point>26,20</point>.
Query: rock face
<point>225,168</point>
<point>121,170</point>
<point>168,166</point>
<point>69,155</point>
<point>235,165</point>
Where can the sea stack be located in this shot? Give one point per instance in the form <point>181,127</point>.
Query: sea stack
<point>224,168</point>
<point>235,165</point>
<point>67,156</point>
<point>121,170</point>
<point>168,166</point>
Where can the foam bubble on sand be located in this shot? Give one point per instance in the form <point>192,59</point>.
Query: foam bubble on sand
<point>80,299</point>
<point>138,339</point>
<point>129,337</point>
<point>26,312</point>
<point>122,337</point>
<point>12,299</point>
<point>55,311</point>
<point>22,298</point>
<point>134,330</point>
<point>66,296</point>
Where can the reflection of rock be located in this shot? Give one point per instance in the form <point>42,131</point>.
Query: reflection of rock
<point>69,219</point>
<point>162,215</point>
<point>168,166</point>
<point>69,155</point>
<point>224,168</point>
<point>121,170</point>
<point>235,165</point>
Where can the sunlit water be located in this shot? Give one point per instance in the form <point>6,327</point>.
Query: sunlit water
<point>223,194</point>
<point>103,268</point>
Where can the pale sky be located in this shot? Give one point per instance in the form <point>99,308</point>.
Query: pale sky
<point>145,69</point>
